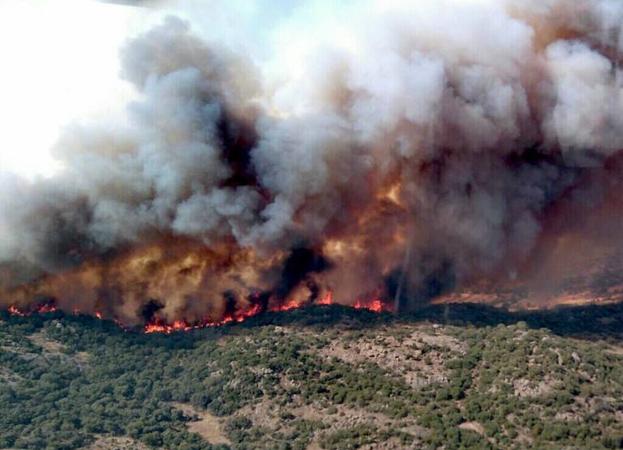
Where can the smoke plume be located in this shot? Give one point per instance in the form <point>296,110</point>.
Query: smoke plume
<point>410,149</point>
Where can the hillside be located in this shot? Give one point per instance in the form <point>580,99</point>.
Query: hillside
<point>453,376</point>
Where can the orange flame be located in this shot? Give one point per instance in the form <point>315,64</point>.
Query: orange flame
<point>15,311</point>
<point>46,308</point>
<point>158,325</point>
<point>326,300</point>
<point>375,305</point>
<point>286,306</point>
<point>40,309</point>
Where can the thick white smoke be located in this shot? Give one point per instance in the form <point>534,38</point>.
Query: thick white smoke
<point>412,146</point>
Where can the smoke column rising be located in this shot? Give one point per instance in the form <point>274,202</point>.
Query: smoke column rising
<point>388,150</point>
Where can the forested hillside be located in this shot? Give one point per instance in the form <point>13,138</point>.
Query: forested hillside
<point>326,377</point>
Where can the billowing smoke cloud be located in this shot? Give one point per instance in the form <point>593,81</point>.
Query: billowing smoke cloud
<point>413,148</point>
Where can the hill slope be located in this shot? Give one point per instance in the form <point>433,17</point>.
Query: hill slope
<point>459,376</point>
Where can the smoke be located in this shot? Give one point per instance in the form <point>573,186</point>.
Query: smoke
<point>379,149</point>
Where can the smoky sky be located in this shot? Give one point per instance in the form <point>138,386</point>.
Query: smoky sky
<point>418,144</point>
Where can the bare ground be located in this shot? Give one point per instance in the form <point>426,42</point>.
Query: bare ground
<point>208,426</point>
<point>116,443</point>
<point>418,357</point>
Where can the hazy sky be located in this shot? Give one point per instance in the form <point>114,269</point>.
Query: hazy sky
<point>59,62</point>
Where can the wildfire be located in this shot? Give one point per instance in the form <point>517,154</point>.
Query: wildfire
<point>375,305</point>
<point>326,300</point>
<point>15,311</point>
<point>46,308</point>
<point>159,325</point>
<point>286,306</point>
<point>40,309</point>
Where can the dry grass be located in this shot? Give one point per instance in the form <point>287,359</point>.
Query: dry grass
<point>419,358</point>
<point>208,426</point>
<point>473,426</point>
<point>116,443</point>
<point>50,346</point>
<point>526,388</point>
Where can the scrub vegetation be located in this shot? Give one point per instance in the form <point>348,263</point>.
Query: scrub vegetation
<point>452,377</point>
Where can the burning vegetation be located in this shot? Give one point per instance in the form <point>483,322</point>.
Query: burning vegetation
<point>155,324</point>
<point>413,151</point>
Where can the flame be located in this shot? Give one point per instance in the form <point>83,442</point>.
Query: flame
<point>39,309</point>
<point>286,306</point>
<point>159,325</point>
<point>375,305</point>
<point>327,299</point>
<point>46,308</point>
<point>15,311</point>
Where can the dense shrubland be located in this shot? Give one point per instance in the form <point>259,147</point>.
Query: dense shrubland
<point>505,381</point>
